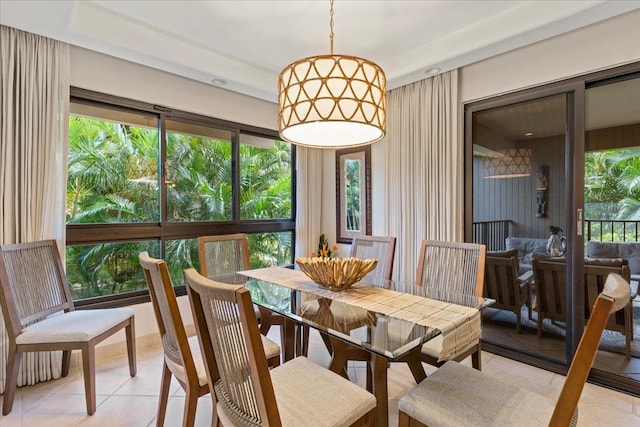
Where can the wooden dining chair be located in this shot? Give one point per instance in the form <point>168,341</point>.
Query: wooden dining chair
<point>550,277</point>
<point>457,268</point>
<point>297,393</point>
<point>382,248</point>
<point>221,257</point>
<point>182,355</point>
<point>456,395</point>
<point>550,274</point>
<point>503,283</point>
<point>596,271</point>
<point>39,316</point>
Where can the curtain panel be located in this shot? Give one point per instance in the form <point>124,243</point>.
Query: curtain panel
<point>34,97</point>
<point>309,200</point>
<point>424,168</point>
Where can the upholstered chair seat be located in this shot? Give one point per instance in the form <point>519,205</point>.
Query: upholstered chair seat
<point>309,395</point>
<point>446,400</point>
<point>456,395</point>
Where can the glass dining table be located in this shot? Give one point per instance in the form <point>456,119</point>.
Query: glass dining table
<point>385,320</point>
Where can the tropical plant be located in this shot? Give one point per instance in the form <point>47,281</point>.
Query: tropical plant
<point>612,184</point>
<point>352,194</point>
<point>113,177</point>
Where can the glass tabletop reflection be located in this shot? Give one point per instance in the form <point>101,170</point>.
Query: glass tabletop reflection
<point>370,330</point>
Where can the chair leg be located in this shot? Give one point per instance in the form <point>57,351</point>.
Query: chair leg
<point>629,332</point>
<point>190,406</point>
<point>165,384</point>
<point>130,332</point>
<point>66,362</point>
<point>476,359</point>
<point>13,367</point>
<point>540,325</point>
<point>283,335</point>
<point>403,419</point>
<point>274,361</point>
<point>265,320</point>
<point>302,340</point>
<point>89,370</point>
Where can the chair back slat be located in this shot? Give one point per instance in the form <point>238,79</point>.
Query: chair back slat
<point>165,305</point>
<point>550,278</point>
<point>596,271</point>
<point>501,280</point>
<point>551,284</point>
<point>222,256</point>
<point>33,278</point>
<point>452,266</point>
<point>245,390</point>
<point>381,248</point>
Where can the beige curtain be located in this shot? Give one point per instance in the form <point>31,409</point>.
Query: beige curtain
<point>424,168</point>
<point>34,74</point>
<point>308,200</point>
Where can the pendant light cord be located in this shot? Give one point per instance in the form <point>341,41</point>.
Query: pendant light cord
<point>331,24</point>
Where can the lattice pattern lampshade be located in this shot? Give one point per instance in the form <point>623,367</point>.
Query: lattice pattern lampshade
<point>509,163</point>
<point>332,101</point>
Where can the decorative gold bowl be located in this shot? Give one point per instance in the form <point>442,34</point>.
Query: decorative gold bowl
<point>336,274</point>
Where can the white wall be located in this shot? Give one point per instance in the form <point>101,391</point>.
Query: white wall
<point>102,73</point>
<point>600,46</point>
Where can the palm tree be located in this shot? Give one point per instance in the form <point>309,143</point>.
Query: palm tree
<point>113,178</point>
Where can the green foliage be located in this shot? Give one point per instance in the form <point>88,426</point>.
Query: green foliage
<point>352,194</point>
<point>113,177</point>
<point>612,184</point>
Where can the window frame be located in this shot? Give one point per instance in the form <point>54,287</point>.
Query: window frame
<point>162,231</point>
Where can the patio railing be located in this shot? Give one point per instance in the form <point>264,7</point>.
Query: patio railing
<point>607,230</point>
<point>494,233</point>
<point>491,233</point>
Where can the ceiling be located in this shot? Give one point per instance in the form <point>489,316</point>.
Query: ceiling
<point>243,45</point>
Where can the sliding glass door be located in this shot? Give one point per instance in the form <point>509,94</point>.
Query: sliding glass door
<point>519,190</point>
<point>612,210</point>
<point>552,187</point>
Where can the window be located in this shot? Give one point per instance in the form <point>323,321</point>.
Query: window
<point>145,178</point>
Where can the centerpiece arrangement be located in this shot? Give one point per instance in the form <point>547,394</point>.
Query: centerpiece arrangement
<point>336,274</point>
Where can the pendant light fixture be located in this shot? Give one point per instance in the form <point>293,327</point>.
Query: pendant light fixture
<point>332,101</point>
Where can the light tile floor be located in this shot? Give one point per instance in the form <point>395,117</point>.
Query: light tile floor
<point>132,402</point>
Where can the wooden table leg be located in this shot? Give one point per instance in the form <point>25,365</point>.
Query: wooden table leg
<point>289,345</point>
<point>339,358</point>
<point>415,365</point>
<point>379,366</point>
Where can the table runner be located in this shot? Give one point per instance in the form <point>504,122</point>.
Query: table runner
<point>460,325</point>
